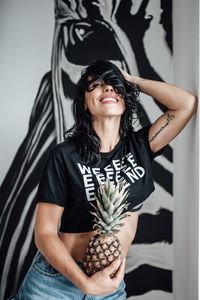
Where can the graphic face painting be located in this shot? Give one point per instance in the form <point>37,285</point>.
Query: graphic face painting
<point>80,38</point>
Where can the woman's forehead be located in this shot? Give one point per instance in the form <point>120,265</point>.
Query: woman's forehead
<point>99,75</point>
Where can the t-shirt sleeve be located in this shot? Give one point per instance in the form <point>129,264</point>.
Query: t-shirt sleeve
<point>144,135</point>
<point>53,183</point>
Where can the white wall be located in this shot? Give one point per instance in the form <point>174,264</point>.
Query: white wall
<point>186,155</point>
<point>26,34</point>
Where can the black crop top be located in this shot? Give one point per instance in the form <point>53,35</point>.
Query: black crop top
<point>68,182</point>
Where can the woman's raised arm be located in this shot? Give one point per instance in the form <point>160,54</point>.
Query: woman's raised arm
<point>180,103</point>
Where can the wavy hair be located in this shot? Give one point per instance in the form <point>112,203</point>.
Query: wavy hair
<point>82,133</point>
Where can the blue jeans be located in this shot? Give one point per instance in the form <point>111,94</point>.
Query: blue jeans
<point>43,282</point>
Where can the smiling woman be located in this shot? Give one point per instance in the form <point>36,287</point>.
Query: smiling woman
<point>100,81</point>
<point>101,148</point>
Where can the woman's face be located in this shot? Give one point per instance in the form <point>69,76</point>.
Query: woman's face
<point>103,101</point>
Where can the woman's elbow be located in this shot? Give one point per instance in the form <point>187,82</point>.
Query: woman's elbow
<point>42,237</point>
<point>191,105</point>
<point>38,240</point>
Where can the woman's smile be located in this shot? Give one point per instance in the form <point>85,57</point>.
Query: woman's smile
<point>106,95</point>
<point>108,100</point>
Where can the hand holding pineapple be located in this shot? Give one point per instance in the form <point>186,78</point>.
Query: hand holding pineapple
<point>105,247</point>
<point>102,283</point>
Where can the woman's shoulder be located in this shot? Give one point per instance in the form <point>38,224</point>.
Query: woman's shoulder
<point>65,147</point>
<point>141,131</point>
<point>136,135</point>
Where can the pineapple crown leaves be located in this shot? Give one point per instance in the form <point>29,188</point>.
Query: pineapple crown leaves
<point>111,201</point>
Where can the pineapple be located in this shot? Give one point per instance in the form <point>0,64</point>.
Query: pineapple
<point>105,247</point>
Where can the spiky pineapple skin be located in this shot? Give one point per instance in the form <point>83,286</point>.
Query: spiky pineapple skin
<point>102,250</point>
<point>105,247</point>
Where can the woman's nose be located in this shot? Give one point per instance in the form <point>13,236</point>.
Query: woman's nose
<point>108,88</point>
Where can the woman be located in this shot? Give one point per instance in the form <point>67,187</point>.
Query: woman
<point>102,138</point>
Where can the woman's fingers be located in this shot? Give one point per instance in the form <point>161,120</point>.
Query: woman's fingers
<point>116,269</point>
<point>113,267</point>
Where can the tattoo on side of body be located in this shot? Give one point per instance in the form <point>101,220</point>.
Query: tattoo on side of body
<point>169,118</point>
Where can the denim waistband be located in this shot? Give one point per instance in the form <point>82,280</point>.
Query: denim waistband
<point>39,258</point>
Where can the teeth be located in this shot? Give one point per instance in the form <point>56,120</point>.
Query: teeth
<point>109,99</point>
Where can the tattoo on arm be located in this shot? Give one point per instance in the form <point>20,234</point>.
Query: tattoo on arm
<point>169,118</point>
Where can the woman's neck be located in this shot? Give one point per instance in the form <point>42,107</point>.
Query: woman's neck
<point>108,132</point>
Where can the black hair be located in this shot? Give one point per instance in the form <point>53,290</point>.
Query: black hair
<point>82,132</point>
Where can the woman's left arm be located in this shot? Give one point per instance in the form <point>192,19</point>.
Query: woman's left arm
<point>181,105</point>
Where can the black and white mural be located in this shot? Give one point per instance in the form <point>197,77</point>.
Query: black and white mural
<point>137,36</point>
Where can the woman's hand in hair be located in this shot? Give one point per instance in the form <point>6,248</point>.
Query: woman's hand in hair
<point>129,77</point>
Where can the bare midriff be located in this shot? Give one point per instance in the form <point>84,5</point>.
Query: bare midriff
<point>76,243</point>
